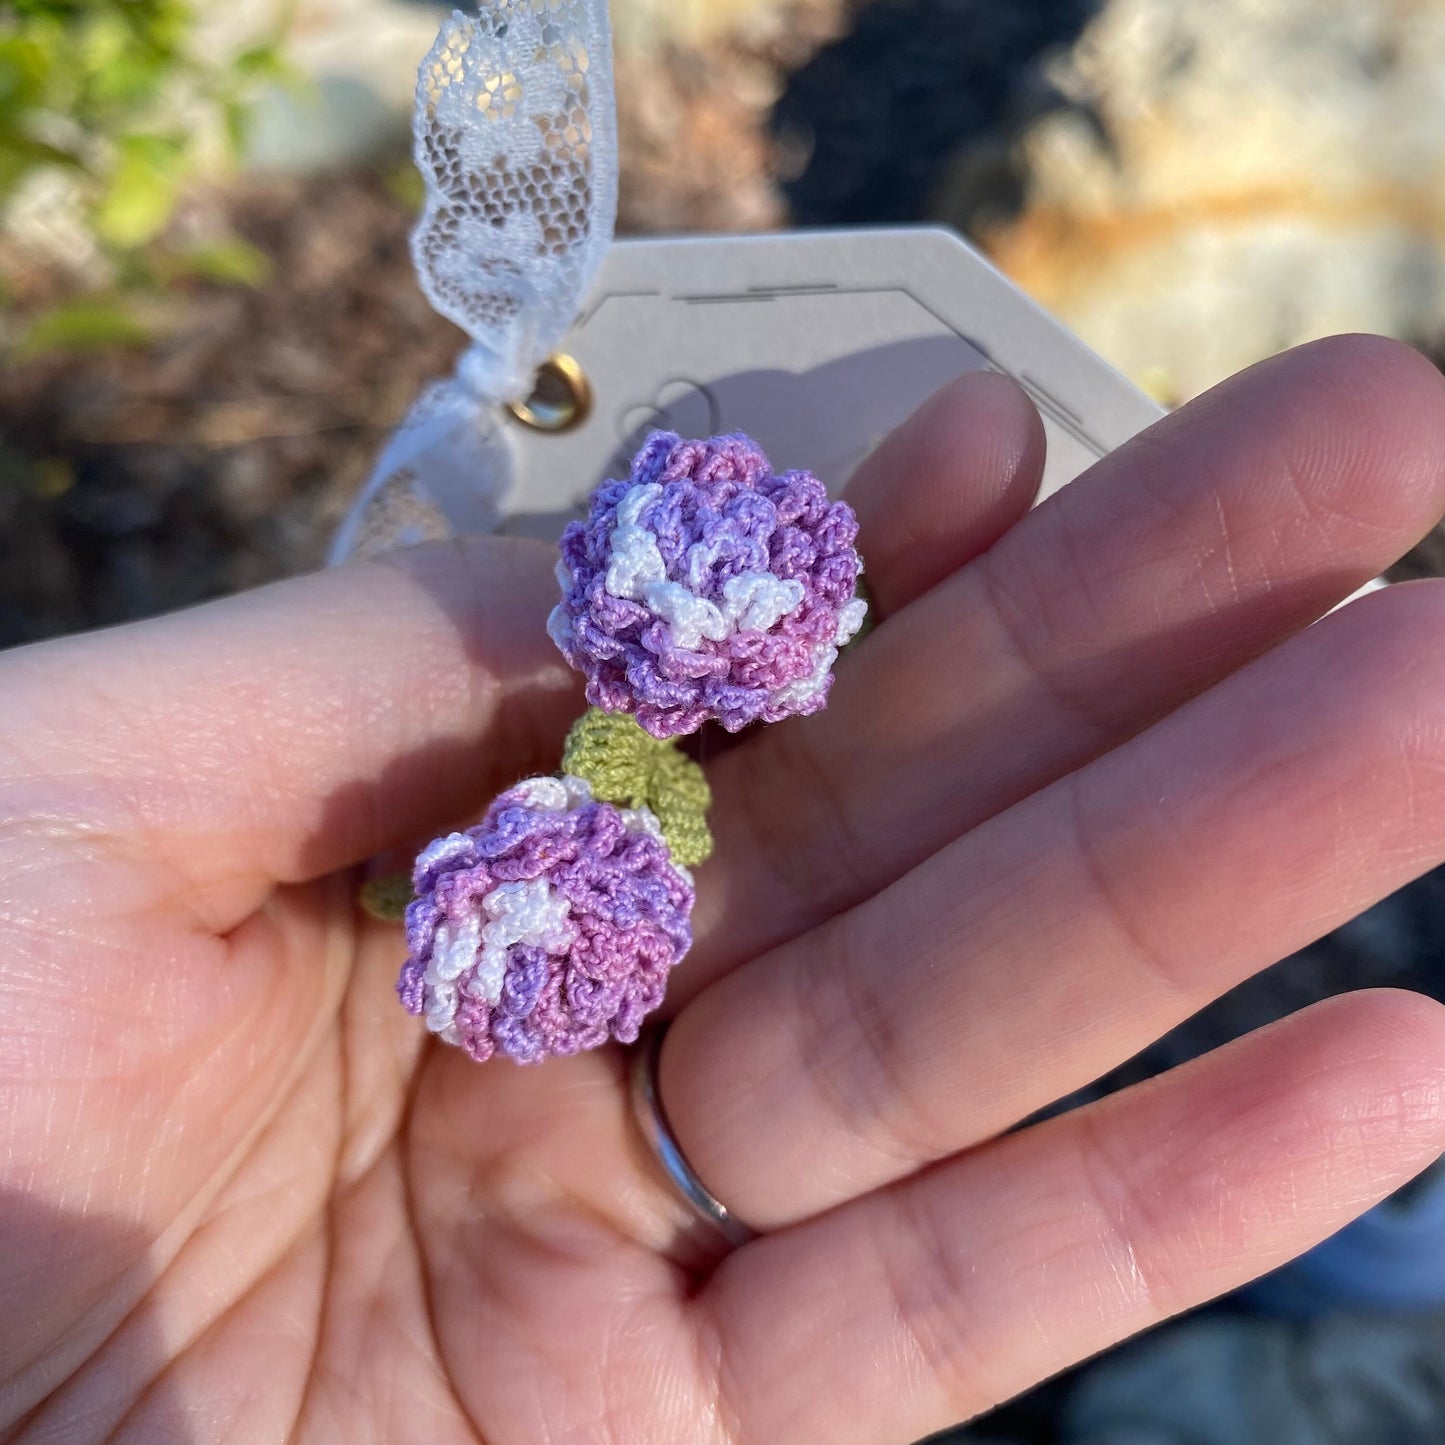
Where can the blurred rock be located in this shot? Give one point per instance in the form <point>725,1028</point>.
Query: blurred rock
<point>344,49</point>
<point>1236,177</point>
<point>649,23</point>
<point>336,121</point>
<point>692,118</point>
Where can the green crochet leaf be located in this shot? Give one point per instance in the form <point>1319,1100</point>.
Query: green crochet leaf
<point>628,767</point>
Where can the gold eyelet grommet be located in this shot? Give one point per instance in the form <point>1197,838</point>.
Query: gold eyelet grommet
<point>561,398</point>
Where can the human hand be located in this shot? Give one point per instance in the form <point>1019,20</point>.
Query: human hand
<point>1088,773</point>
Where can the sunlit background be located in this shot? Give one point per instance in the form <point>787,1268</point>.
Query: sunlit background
<point>210,316</point>
<point>209,322</point>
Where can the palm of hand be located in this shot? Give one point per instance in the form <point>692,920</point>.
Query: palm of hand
<point>244,1199</point>
<point>345,1227</point>
<point>357,1231</point>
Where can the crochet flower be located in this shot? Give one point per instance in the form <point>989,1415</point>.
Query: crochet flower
<point>548,928</point>
<point>705,586</point>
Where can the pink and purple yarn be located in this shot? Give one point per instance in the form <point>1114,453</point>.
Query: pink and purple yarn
<point>549,928</point>
<point>703,587</point>
<point>708,587</point>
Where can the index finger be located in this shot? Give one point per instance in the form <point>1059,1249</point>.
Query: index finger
<point>279,735</point>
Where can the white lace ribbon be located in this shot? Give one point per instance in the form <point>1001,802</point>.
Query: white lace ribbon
<point>516,139</point>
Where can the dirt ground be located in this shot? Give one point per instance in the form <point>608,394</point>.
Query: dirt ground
<point>220,457</point>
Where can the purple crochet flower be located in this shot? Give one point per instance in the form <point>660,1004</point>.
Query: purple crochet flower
<point>707,587</point>
<point>547,929</point>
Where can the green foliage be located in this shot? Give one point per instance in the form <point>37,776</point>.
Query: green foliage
<point>403,181</point>
<point>141,193</point>
<point>88,323</point>
<point>111,91</point>
<point>232,262</point>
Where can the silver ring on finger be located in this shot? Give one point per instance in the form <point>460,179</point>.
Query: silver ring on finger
<point>651,1118</point>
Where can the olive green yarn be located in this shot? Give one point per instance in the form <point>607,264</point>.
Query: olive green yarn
<point>624,765</point>
<point>613,755</point>
<point>680,797</point>
<point>386,897</point>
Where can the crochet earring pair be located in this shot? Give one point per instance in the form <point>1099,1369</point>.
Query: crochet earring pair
<point>703,587</point>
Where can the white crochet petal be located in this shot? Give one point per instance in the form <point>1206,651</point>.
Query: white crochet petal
<point>454,950</point>
<point>441,849</point>
<point>546,795</point>
<point>633,562</point>
<point>850,619</point>
<point>756,601</point>
<point>689,618</point>
<point>529,912</point>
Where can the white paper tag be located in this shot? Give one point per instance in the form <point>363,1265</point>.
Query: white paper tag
<point>815,343</point>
